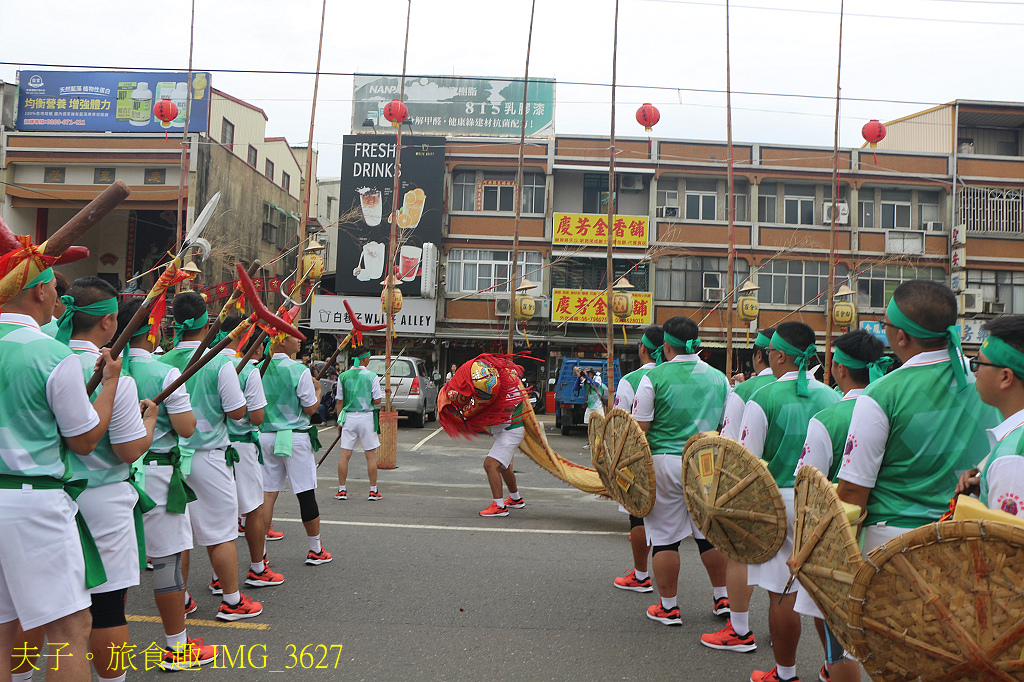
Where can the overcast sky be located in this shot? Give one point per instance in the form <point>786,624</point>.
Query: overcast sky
<point>901,55</point>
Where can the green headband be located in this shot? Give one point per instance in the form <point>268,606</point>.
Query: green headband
<point>657,352</point>
<point>800,357</point>
<point>42,278</point>
<point>191,324</point>
<point>901,321</point>
<point>690,347</point>
<point>1004,355</point>
<point>876,369</point>
<point>762,341</point>
<point>107,306</point>
<point>359,357</point>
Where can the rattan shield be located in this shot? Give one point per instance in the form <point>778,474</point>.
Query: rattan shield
<point>733,499</point>
<point>624,463</point>
<point>825,552</point>
<point>943,602</point>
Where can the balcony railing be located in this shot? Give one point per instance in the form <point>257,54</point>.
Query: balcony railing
<point>991,210</point>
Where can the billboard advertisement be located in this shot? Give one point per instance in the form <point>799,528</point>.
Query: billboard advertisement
<point>101,101</point>
<point>366,203</point>
<point>588,229</point>
<point>589,306</point>
<point>456,105</point>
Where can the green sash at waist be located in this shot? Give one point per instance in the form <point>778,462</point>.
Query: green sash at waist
<point>249,437</point>
<point>143,505</point>
<point>178,492</point>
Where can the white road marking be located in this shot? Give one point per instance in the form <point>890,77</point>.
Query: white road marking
<point>417,446</point>
<point>481,529</point>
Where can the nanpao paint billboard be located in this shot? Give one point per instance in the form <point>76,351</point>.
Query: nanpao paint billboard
<point>457,105</point>
<point>365,205</point>
<point>101,101</point>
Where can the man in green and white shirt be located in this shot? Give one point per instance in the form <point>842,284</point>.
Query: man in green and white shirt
<point>358,392</point>
<point>915,430</point>
<point>674,401</point>
<point>43,409</point>
<point>739,396</point>
<point>288,441</point>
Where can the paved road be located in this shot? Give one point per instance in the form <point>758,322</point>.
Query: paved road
<point>422,588</point>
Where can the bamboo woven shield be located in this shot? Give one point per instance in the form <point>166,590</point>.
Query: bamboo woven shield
<point>623,460</point>
<point>943,602</point>
<point>733,499</point>
<point>825,552</point>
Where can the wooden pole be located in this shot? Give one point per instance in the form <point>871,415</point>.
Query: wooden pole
<point>310,179</point>
<point>182,179</point>
<point>609,322</point>
<point>730,202</point>
<point>514,279</point>
<point>830,292</point>
<point>393,239</point>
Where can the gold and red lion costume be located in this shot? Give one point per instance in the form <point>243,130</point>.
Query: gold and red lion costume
<point>482,393</point>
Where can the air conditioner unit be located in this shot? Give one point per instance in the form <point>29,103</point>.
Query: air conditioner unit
<point>971,301</point>
<point>502,307</point>
<point>934,226</point>
<point>631,182</point>
<point>994,307</point>
<point>842,216</point>
<point>668,212</point>
<point>713,295</point>
<point>712,280</point>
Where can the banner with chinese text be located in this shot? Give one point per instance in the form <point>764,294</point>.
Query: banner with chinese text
<point>590,229</point>
<point>566,304</point>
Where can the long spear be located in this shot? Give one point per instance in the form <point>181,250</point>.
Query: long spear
<point>217,323</point>
<point>610,328</point>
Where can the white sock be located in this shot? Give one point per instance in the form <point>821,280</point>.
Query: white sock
<point>341,488</point>
<point>188,598</point>
<point>740,623</point>
<point>257,567</point>
<point>373,488</point>
<point>176,642</point>
<point>232,598</point>
<point>668,603</point>
<point>22,677</point>
<point>241,522</point>
<point>515,496</point>
<point>786,672</point>
<point>640,575</point>
<point>721,592</point>
<point>215,576</point>
<point>314,544</point>
<point>500,502</point>
<point>120,678</point>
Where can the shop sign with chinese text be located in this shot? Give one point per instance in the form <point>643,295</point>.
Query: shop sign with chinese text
<point>590,306</point>
<point>591,229</point>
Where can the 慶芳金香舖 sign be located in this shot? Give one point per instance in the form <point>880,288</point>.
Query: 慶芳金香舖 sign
<point>590,306</point>
<point>590,229</point>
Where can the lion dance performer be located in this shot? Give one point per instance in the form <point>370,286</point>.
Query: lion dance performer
<point>485,396</point>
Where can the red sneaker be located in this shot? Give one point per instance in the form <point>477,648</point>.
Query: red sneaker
<point>266,578</point>
<point>241,528</point>
<point>191,606</point>
<point>273,534</point>
<point>317,558</point>
<point>245,608</point>
<point>629,582</point>
<point>189,657</point>
<point>495,510</point>
<point>514,504</point>
<point>823,675</point>
<point>770,676</point>
<point>215,587</point>
<point>341,495</point>
<point>374,496</point>
<point>721,607</point>
<point>664,616</point>
<point>726,639</point>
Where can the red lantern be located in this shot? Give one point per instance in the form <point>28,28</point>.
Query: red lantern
<point>166,111</point>
<point>647,116</point>
<point>396,112</point>
<point>873,132</point>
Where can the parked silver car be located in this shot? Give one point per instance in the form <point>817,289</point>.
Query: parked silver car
<point>413,391</point>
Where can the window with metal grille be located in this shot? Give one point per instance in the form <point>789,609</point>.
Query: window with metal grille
<point>795,282</point>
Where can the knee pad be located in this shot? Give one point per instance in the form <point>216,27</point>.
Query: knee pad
<point>674,547</point>
<point>308,508</point>
<point>703,545</point>
<point>167,574</point>
<point>635,522</point>
<point>108,609</point>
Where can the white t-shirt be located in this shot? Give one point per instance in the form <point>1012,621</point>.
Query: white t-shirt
<point>126,418</point>
<point>643,404</point>
<point>228,386</point>
<point>1006,475</point>
<point>306,391</point>
<point>624,394</point>
<point>818,446</point>
<point>754,425</point>
<point>734,405</point>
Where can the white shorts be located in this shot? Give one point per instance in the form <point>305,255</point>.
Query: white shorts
<point>591,410</point>
<point>109,512</point>
<point>299,469</point>
<point>877,535</point>
<point>248,477</point>
<point>42,570</point>
<point>214,514</point>
<point>506,443</point>
<point>669,520</point>
<point>804,604</point>
<point>166,533</point>
<point>359,426</point>
<point>774,574</point>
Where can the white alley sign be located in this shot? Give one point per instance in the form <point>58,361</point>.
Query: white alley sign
<point>418,315</point>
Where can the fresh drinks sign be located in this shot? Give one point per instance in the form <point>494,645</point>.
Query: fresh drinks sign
<point>456,105</point>
<point>100,101</point>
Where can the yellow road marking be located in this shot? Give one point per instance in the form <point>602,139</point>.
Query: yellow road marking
<point>209,623</point>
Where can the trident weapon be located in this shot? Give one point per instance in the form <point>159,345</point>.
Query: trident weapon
<point>215,327</point>
<point>260,314</point>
